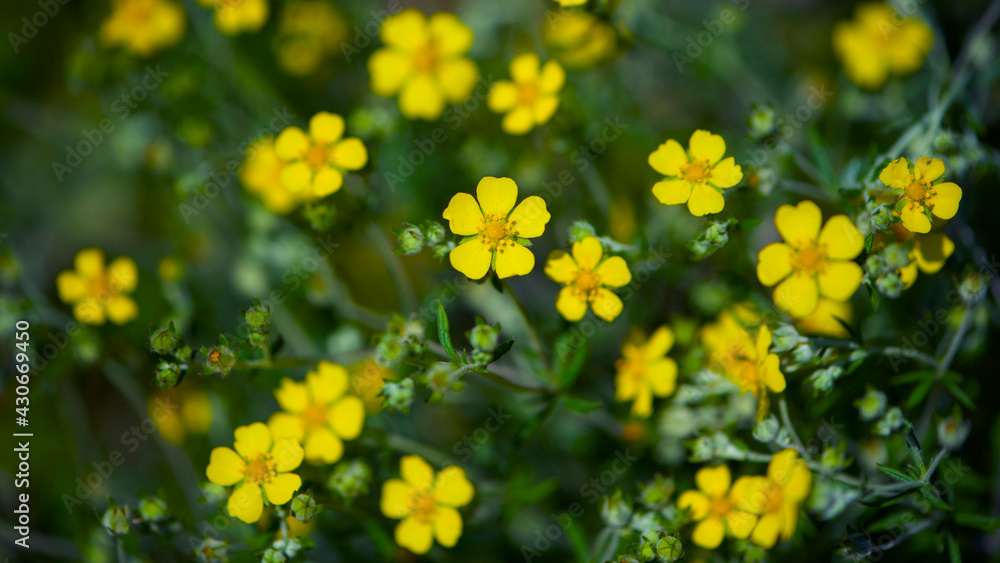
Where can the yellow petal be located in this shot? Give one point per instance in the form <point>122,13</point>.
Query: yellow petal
<point>927,169</point>
<point>89,311</point>
<point>281,488</point>
<point>788,519</point>
<point>457,78</point>
<point>614,272</point>
<point>395,501</point>
<point>944,202</point>
<point>292,396</point>
<point>841,239</point>
<point>496,195</point>
<point>668,159</point>
<point>570,305</point>
<point>327,181</point>
<point>840,279</point>
<point>659,343</point>
<point>451,35</point>
<point>552,78</point>
<point>530,217</point>
<point>798,484</point>
<point>915,219</point>
<point>797,295</point>
<point>519,121</point>
<point>322,445</point>
<point>560,267</point>
<point>543,108</point>
<point>472,258</point>
<point>327,383</point>
<point>252,440</point>
<point>672,192</point>
<point>503,96</point>
<point>89,263</point>
<point>709,533</point>
<point>524,68</point>
<point>452,488</point>
<point>822,321</point>
<point>225,467</point>
<point>726,174</point>
<point>71,286</point>
<point>123,275</point>
<point>417,473</point>
<point>284,425</point>
<point>897,174</point>
<point>799,225</point>
<point>662,377</point>
<point>706,146</point>
<point>626,386</point>
<point>246,503</point>
<point>931,251</point>
<point>326,127</point>
<point>606,305</point>
<point>704,200</point>
<point>463,215</point>
<point>765,534</point>
<point>740,523</point>
<point>642,407</point>
<point>291,144</point>
<point>388,69</point>
<point>588,253</point>
<point>121,309</point>
<point>287,454</point>
<point>514,260</point>
<point>414,535</point>
<point>447,526</point>
<point>350,154</point>
<point>774,263</point>
<point>779,469</point>
<point>696,502</point>
<point>347,417</point>
<point>771,373</point>
<point>407,30</point>
<point>421,98</point>
<point>714,481</point>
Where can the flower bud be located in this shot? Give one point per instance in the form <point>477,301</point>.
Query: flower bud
<point>398,395</point>
<point>892,421</point>
<point>952,432</point>
<point>973,286</point>
<point>761,121</point>
<point>882,217</point>
<point>875,265</point>
<point>257,339</point>
<point>766,430</point>
<point>442,250</point>
<point>896,256</point>
<point>273,556</point>
<point>785,337</point>
<point>152,509</point>
<point>116,519</point>
<point>258,317</point>
<point>219,359</point>
<point>168,374</point>
<point>304,507</point>
<point>433,232</point>
<point>616,509</point>
<point>656,493</point>
<point>163,340</point>
<point>670,549</point>
<point>410,240</point>
<point>350,479</point>
<point>871,405</point>
<point>823,379</point>
<point>580,230</point>
<point>389,350</point>
<point>442,376</point>
<point>889,285</point>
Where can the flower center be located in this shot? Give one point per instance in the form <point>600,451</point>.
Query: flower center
<point>697,171</point>
<point>587,282</point>
<point>423,506</point>
<point>425,60</point>
<point>916,192</point>
<point>720,506</point>
<point>314,416</point>
<point>317,156</point>
<point>529,93</point>
<point>100,288</point>
<point>774,497</point>
<point>138,12</point>
<point>494,232</point>
<point>810,259</point>
<point>260,469</point>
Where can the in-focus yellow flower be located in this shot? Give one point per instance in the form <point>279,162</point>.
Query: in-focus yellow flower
<point>645,371</point>
<point>178,414</point>
<point>495,235</point>
<point>918,198</point>
<point>879,42</point>
<point>423,61</point>
<point>587,275</point>
<point>811,262</point>
<point>929,254</point>
<point>315,163</point>
<point>823,321</point>
<point>143,27</point>
<point>748,363</point>
<point>578,39</point>
<point>309,31</point>
<point>318,413</point>
<point>776,498</point>
<point>696,177</point>
<point>426,503</point>
<point>367,379</point>
<point>98,293</point>
<point>260,468</point>
<point>261,176</point>
<point>233,17</point>
<point>717,508</point>
<point>531,98</point>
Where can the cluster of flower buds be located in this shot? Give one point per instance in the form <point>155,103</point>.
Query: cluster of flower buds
<point>884,268</point>
<point>350,479</point>
<point>175,355</point>
<point>220,358</point>
<point>257,318</point>
<point>403,338</point>
<point>412,239</point>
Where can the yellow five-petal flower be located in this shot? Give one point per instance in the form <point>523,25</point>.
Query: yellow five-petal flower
<point>530,99</point>
<point>143,27</point>
<point>776,498</point>
<point>315,163</point>
<point>879,42</point>
<point>587,274</point>
<point>644,370</point>
<point>233,17</point>
<point>696,177</point>
<point>98,293</point>
<point>717,508</point>
<point>918,198</point>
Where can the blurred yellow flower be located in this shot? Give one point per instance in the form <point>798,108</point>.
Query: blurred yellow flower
<point>929,254</point>
<point>879,42</point>
<point>261,176</point>
<point>717,508</point>
<point>318,413</point>
<point>587,275</point>
<point>233,17</point>
<point>98,293</point>
<point>776,498</point>
<point>495,235</point>
<point>260,468</point>
<point>143,27</point>
<point>178,414</point>
<point>918,199</point>
<point>308,32</point>
<point>748,363</point>
<point>823,321</point>
<point>315,163</point>
<point>423,61</point>
<point>644,370</point>
<point>367,379</point>
<point>568,3</point>
<point>531,98</point>
<point>811,262</point>
<point>578,39</point>
<point>696,177</point>
<point>426,504</point>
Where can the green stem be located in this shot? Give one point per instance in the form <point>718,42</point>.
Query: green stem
<point>787,422</point>
<point>942,368</point>
<point>533,335</point>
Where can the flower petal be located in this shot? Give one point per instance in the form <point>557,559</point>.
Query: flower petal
<point>451,35</point>
<point>89,263</point>
<point>614,272</point>
<point>740,523</point>
<point>588,253</point>
<point>326,127</point>
<point>927,169</point>
<point>726,174</point>
<point>771,373</point>
<point>457,78</point>
<point>246,503</point>
<point>840,279</point>
<point>552,78</point>
<point>496,195</point>
<point>287,454</point>
<point>225,467</point>
<point>447,526</point>
<point>452,487</point>
<point>121,309</point>
<point>503,96</point>
<point>659,343</point>
<point>530,217</point>
<point>350,154</point>
<point>347,417</point>
<point>543,108</point>
<point>774,263</point>
<point>560,267</point>
<point>672,192</point>
<point>706,146</point>
<point>765,533</point>
<point>714,481</point>
<point>709,532</point>
<point>897,174</point>
<point>931,251</point>
<point>696,502</point>
<point>841,239</point>
<point>463,215</point>
<point>421,98</point>
<point>471,258</point>
<point>662,377</point>
<point>797,295</point>
<point>292,396</point>
<point>328,382</point>
<point>252,440</point>
<point>414,535</point>
<point>705,200</point>
<point>388,70</point>
<point>570,305</point>
<point>296,177</point>
<point>524,68</point>
<point>944,202</point>
<point>71,286</point>
<point>284,425</point>
<point>606,305</point>
<point>327,181</point>
<point>291,144</point>
<point>407,30</point>
<point>281,488</point>
<point>417,473</point>
<point>514,260</point>
<point>519,121</point>
<point>322,445</point>
<point>89,311</point>
<point>915,219</point>
<point>799,225</point>
<point>668,159</point>
<point>123,275</point>
<point>395,501</point>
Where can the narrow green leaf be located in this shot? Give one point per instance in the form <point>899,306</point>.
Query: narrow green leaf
<point>956,391</point>
<point>978,521</point>
<point>897,475</point>
<point>932,497</point>
<point>581,405</point>
<point>869,240</point>
<point>444,337</point>
<point>919,393</point>
<point>501,350</point>
<point>916,453</point>
<point>954,550</point>
<point>568,361</point>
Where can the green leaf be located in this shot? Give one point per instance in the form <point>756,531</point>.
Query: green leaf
<point>919,393</point>
<point>750,224</point>
<point>978,521</point>
<point>956,391</point>
<point>913,444</point>
<point>932,497</point>
<point>444,337</point>
<point>954,551</point>
<point>912,376</point>
<point>897,475</point>
<point>869,240</point>
<point>581,405</point>
<point>501,350</point>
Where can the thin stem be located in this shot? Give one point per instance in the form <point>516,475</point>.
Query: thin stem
<point>787,422</point>
<point>533,335</point>
<point>942,368</point>
<point>407,295</point>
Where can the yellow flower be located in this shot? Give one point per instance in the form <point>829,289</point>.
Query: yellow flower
<point>315,163</point>
<point>494,235</point>
<point>746,362</point>
<point>260,468</point>
<point>918,199</point>
<point>233,17</point>
<point>644,370</point>
<point>718,508</point>
<point>261,175</point>
<point>367,379</point>
<point>823,321</point>
<point>696,177</point>
<point>532,97</point>
<point>878,42</point>
<point>143,27</point>
<point>309,31</point>
<point>587,275</point>
<point>578,39</point>
<point>98,293</point>
<point>318,413</point>
<point>776,498</point>
<point>568,3</point>
<point>811,262</point>
<point>426,504</point>
<point>424,62</point>
<point>929,254</point>
<point>178,414</point>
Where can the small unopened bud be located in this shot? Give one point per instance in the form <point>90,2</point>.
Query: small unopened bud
<point>656,493</point>
<point>410,240</point>
<point>670,549</point>
<point>896,256</point>
<point>952,432</point>
<point>616,509</point>
<point>875,265</point>
<point>398,395</point>
<point>433,232</point>
<point>304,507</point>
<point>580,230</point>
<point>871,405</point>
<point>766,430</point>
<point>973,286</point>
<point>258,316</point>
<point>152,509</point>
<point>350,479</point>
<point>889,285</point>
<point>761,121</point>
<point>892,421</point>
<point>163,340</point>
<point>167,374</point>
<point>116,519</point>
<point>882,218</point>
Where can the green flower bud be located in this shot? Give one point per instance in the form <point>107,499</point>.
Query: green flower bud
<point>258,340</point>
<point>943,141</point>
<point>442,250</point>
<point>834,459</point>
<point>442,376</point>
<point>433,232</point>
<point>892,421</point>
<point>182,353</point>
<point>304,507</point>
<point>871,405</point>
<point>580,230</point>
<point>258,317</point>
<point>973,286</point>
<point>398,395</point>
<point>761,121</point>
<point>646,551</point>
<point>389,350</point>
<point>656,494</point>
<point>785,337</point>
<point>410,241</point>
<point>896,256</point>
<point>952,432</point>
<point>350,479</point>
<point>219,359</point>
<point>616,509</point>
<point>213,493</point>
<point>670,549</point>
<point>823,379</point>
<point>273,556</point>
<point>167,374</point>
<point>889,285</point>
<point>152,509</point>
<point>767,180</point>
<point>875,265</point>
<point>163,340</point>
<point>210,550</point>
<point>766,430</point>
<point>320,215</point>
<point>882,217</point>
<point>116,519</point>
